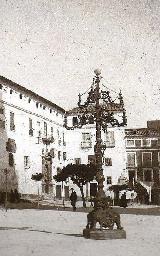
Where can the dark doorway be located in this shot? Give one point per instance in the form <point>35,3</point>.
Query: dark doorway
<point>66,192</point>
<point>131,176</point>
<point>58,192</point>
<point>93,189</point>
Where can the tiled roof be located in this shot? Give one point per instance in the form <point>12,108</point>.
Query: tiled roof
<point>142,132</point>
<point>29,92</point>
<point>112,107</point>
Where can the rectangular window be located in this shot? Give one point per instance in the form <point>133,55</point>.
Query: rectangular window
<point>64,143</point>
<point>45,129</point>
<point>59,141</point>
<point>131,159</point>
<point>86,140</point>
<point>154,143</point>
<point>147,159</point>
<point>130,143</point>
<point>146,142</point>
<point>51,131</point>
<point>77,161</point>
<point>59,155</point>
<point>30,127</point>
<point>110,141</point>
<point>38,129</point>
<point>138,143</point>
<point>12,124</point>
<point>30,123</point>
<point>64,156</point>
<point>109,180</point>
<point>26,162</point>
<point>11,159</point>
<point>38,132</point>
<point>108,161</point>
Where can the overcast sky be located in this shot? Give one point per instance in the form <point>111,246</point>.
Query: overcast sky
<point>52,47</point>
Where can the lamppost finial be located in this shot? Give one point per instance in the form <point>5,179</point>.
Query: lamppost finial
<point>97,72</point>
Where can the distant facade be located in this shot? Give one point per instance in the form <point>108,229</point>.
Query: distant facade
<point>32,139</point>
<point>143,154</point>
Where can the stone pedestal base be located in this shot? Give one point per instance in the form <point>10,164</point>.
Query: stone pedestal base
<point>104,234</point>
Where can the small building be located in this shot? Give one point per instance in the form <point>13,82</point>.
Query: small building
<point>80,148</point>
<point>143,155</point>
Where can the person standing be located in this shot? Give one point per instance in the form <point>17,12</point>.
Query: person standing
<point>73,198</point>
<point>123,200</point>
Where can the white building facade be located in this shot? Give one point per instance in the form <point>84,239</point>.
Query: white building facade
<point>80,144</point>
<point>32,139</point>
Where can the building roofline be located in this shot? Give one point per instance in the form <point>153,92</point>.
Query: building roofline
<point>108,107</point>
<point>38,97</point>
<point>141,132</point>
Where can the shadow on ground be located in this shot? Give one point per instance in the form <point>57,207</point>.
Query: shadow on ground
<point>75,235</point>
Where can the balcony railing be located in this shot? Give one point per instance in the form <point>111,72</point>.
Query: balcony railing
<point>31,132</point>
<point>86,144</point>
<point>48,141</point>
<point>109,144</point>
<point>11,145</point>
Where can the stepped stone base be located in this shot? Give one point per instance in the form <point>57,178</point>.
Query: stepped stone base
<point>104,234</point>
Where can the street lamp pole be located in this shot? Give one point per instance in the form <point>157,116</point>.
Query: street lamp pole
<point>98,146</point>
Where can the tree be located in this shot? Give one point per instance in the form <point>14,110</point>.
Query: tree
<point>80,174</point>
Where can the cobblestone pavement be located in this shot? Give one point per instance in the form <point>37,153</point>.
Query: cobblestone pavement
<point>37,232</point>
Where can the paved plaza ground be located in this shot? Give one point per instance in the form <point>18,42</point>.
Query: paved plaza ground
<point>59,233</point>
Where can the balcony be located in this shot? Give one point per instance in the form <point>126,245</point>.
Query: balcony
<point>48,141</point>
<point>86,144</point>
<point>31,132</point>
<point>109,144</point>
<point>11,146</point>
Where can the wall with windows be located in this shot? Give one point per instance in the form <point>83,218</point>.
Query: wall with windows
<point>34,126</point>
<point>143,155</point>
<point>80,149</point>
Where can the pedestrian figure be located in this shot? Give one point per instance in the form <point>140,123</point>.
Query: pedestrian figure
<point>123,200</point>
<point>73,198</point>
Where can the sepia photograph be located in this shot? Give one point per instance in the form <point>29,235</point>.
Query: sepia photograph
<point>79,127</point>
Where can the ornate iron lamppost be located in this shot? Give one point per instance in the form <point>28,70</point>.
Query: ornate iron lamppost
<point>99,108</point>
